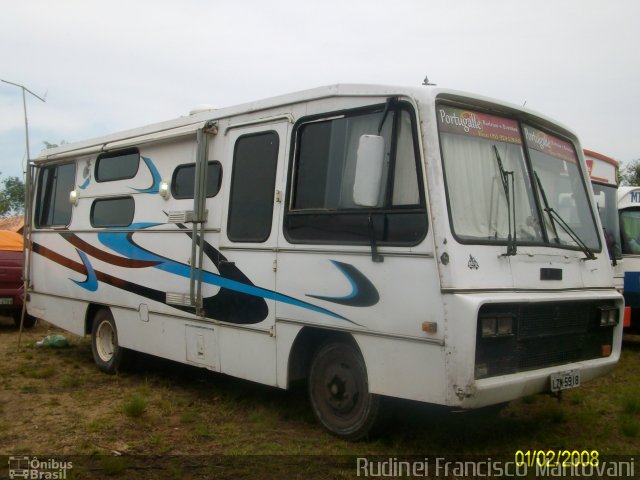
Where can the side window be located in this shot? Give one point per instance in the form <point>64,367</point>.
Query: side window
<point>255,160</point>
<point>184,178</point>
<point>54,184</point>
<point>119,165</point>
<point>321,208</point>
<point>112,212</point>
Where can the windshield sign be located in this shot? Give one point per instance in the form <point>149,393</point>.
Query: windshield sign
<point>482,125</point>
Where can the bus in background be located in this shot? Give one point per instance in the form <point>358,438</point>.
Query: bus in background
<point>603,172</point>
<point>629,211</point>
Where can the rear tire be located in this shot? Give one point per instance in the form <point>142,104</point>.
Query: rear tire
<point>339,391</point>
<point>108,355</point>
<point>29,320</point>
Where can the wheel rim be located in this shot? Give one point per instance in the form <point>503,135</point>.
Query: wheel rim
<point>342,392</point>
<point>105,341</point>
<point>339,391</point>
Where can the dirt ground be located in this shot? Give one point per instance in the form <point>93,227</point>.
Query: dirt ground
<point>166,420</point>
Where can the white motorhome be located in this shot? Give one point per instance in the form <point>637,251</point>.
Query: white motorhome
<point>629,210</point>
<point>418,243</point>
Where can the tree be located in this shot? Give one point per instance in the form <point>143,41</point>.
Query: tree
<point>630,173</point>
<point>11,196</point>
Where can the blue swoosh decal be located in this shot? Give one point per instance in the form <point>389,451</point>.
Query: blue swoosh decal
<point>120,242</point>
<point>363,292</point>
<point>155,185</point>
<point>85,184</point>
<point>91,283</point>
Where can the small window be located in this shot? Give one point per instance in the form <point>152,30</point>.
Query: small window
<point>255,161</point>
<point>112,212</point>
<point>184,177</point>
<point>54,184</point>
<point>120,165</point>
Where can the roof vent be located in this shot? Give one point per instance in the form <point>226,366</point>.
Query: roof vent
<point>204,107</point>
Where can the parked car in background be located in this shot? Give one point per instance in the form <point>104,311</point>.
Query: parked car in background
<point>11,285</point>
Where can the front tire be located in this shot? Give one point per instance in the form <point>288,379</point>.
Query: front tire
<point>339,391</point>
<point>108,355</point>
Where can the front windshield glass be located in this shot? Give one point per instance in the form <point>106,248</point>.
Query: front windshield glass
<point>478,201</point>
<point>481,150</point>
<point>606,200</point>
<point>556,165</point>
<point>630,230</point>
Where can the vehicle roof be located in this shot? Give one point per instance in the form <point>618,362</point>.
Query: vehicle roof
<point>190,123</point>
<point>602,157</point>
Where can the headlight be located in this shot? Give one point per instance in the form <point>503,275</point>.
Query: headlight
<point>505,326</point>
<point>489,326</point>
<point>608,316</point>
<point>496,326</point>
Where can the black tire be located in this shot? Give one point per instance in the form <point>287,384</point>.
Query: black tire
<point>108,355</point>
<point>339,391</point>
<point>29,320</point>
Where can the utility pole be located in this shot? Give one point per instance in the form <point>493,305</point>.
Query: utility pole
<point>27,206</point>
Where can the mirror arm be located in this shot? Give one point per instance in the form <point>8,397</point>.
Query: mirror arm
<point>375,256</point>
<point>391,102</point>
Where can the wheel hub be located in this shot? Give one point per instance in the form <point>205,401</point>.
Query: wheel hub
<point>341,391</point>
<point>105,341</point>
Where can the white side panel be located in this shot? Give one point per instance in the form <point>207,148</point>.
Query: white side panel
<point>405,369</point>
<point>63,312</point>
<point>406,288</point>
<point>248,354</point>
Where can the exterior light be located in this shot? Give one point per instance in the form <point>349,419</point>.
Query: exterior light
<point>164,190</point>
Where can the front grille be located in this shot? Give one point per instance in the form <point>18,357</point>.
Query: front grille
<point>544,335</point>
<point>554,319</point>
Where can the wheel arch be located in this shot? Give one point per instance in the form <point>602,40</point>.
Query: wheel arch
<point>90,316</point>
<point>306,344</point>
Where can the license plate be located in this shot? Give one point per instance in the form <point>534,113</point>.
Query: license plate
<point>565,380</point>
<point>6,301</point>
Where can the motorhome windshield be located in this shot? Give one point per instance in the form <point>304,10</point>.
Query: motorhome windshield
<point>471,143</point>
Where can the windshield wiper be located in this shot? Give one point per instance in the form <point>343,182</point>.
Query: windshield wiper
<point>511,204</point>
<point>556,218</point>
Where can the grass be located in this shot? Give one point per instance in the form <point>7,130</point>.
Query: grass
<point>629,426</point>
<point>135,405</point>
<point>166,412</point>
<point>631,402</point>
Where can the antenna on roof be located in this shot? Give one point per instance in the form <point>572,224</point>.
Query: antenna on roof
<point>425,82</point>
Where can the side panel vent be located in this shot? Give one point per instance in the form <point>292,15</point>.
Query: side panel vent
<point>185,216</point>
<point>181,299</point>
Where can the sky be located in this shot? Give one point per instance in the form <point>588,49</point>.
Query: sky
<point>107,66</point>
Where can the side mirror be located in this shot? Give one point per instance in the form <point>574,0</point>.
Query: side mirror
<point>369,167</point>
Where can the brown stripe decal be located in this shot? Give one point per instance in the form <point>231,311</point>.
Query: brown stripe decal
<point>101,276</point>
<point>77,242</point>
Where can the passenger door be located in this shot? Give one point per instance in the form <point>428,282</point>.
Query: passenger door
<point>248,242</point>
